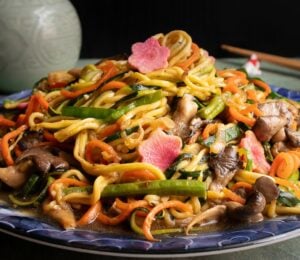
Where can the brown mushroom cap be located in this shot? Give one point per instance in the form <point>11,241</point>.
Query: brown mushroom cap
<point>267,187</point>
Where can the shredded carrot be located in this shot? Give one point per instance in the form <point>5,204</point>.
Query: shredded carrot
<point>67,182</point>
<point>179,205</point>
<point>296,160</point>
<point>137,175</point>
<point>90,216</point>
<point>109,70</point>
<point>112,221</point>
<point>252,108</point>
<point>251,94</point>
<point>233,79</point>
<point>263,85</point>
<point>20,119</point>
<point>231,87</point>
<point>30,108</point>
<point>114,84</point>
<point>209,129</point>
<point>109,130</point>
<point>236,115</point>
<point>227,73</point>
<point>6,122</point>
<point>194,57</point>
<point>5,144</point>
<point>42,101</point>
<point>49,136</point>
<point>125,205</point>
<point>93,144</point>
<point>241,184</point>
<point>233,196</point>
<point>283,165</point>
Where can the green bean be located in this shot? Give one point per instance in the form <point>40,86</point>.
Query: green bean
<point>158,187</point>
<point>215,107</point>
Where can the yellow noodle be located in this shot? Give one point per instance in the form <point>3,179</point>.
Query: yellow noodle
<point>74,173</point>
<point>179,43</point>
<point>109,170</point>
<point>88,123</point>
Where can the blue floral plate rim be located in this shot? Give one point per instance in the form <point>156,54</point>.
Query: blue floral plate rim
<point>33,229</point>
<point>15,223</point>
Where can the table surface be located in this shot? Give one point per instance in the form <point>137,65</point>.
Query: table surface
<point>15,248</point>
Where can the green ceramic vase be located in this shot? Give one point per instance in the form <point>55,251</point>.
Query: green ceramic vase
<point>36,37</point>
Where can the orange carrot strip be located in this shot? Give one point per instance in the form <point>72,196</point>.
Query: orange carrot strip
<point>236,115</point>
<point>195,56</point>
<point>233,196</point>
<point>109,130</point>
<point>5,144</point>
<point>164,205</point>
<point>137,175</point>
<point>109,70</point>
<point>282,166</point>
<point>210,128</point>
<point>230,87</point>
<point>241,184</point>
<point>21,119</point>
<point>103,147</point>
<point>6,122</point>
<point>233,79</point>
<point>252,108</point>
<point>251,94</point>
<point>49,136</point>
<point>296,160</point>
<point>90,216</point>
<point>30,108</point>
<point>263,85</point>
<point>42,101</point>
<point>67,182</point>
<point>108,220</point>
<point>227,73</point>
<point>114,84</point>
<point>125,205</point>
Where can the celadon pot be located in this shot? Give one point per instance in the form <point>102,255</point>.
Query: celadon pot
<point>36,37</point>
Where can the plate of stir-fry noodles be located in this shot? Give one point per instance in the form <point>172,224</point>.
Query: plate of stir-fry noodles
<point>153,152</point>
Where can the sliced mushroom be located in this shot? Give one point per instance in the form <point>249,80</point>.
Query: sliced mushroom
<point>267,187</point>
<point>224,165</point>
<point>210,215</point>
<point>293,137</point>
<point>43,159</point>
<point>62,213</point>
<point>267,126</point>
<point>251,211</point>
<point>279,147</point>
<point>279,108</point>
<point>186,110</point>
<point>30,139</point>
<point>280,136</point>
<point>16,175</point>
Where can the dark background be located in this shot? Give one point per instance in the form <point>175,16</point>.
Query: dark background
<point>112,26</point>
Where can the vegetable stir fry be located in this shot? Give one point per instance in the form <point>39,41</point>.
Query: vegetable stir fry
<point>160,141</point>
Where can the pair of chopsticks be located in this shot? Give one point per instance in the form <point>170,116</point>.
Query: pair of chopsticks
<point>283,61</point>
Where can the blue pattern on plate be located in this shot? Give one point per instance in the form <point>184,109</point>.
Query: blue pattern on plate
<point>28,227</point>
<point>292,94</point>
<point>15,96</point>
